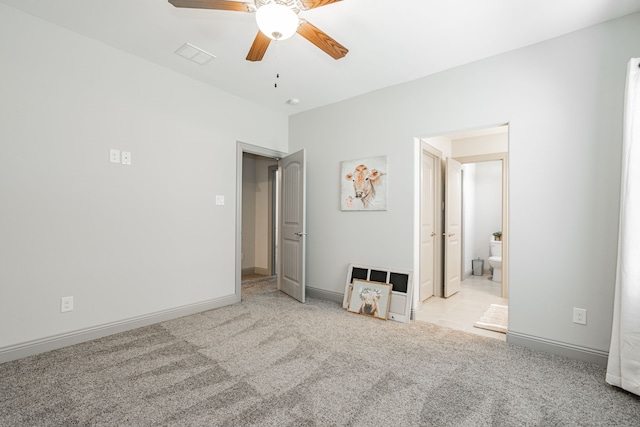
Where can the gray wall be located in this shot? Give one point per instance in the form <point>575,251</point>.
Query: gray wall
<point>563,101</point>
<point>130,241</point>
<point>125,241</point>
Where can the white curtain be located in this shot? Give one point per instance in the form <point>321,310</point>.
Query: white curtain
<point>623,369</point>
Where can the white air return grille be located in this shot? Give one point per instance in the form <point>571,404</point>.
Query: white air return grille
<point>194,54</point>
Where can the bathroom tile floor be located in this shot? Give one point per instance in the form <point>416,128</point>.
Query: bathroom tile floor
<point>461,310</point>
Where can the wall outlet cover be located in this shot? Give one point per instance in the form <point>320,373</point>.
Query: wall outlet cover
<point>580,316</point>
<point>66,304</point>
<point>114,156</point>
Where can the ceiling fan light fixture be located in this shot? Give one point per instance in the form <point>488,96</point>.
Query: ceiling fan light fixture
<point>277,21</point>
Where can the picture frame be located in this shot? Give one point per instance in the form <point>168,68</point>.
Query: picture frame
<point>371,299</point>
<point>363,184</point>
<point>401,282</point>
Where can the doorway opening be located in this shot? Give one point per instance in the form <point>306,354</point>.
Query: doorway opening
<point>272,244</point>
<point>455,234</point>
<point>259,216</point>
<point>257,200</point>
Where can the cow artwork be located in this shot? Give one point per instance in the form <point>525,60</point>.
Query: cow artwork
<point>371,299</point>
<point>364,186</point>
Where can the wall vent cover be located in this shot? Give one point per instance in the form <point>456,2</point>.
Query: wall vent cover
<point>194,54</point>
<point>401,292</point>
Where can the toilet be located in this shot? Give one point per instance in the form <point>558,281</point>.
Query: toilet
<point>495,259</point>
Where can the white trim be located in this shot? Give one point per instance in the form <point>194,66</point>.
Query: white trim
<point>590,355</point>
<point>42,345</point>
<point>427,149</point>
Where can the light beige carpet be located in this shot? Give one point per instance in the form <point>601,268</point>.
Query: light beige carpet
<point>271,361</point>
<point>495,318</point>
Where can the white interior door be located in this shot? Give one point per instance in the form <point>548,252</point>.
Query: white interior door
<point>453,227</point>
<point>291,270</point>
<point>428,236</point>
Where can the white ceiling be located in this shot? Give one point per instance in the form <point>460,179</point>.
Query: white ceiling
<point>389,41</point>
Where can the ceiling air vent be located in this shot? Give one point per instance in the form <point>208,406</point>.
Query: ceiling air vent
<point>194,54</point>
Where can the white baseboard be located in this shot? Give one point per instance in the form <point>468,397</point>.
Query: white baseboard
<point>30,348</point>
<point>571,351</point>
<point>324,295</point>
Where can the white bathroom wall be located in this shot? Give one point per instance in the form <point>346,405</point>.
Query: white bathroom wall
<point>127,242</point>
<point>488,210</point>
<point>563,101</point>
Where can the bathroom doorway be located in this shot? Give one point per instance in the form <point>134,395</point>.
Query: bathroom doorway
<point>486,151</point>
<point>485,214</point>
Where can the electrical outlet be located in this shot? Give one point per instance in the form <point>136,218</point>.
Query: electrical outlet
<point>114,156</point>
<point>66,304</point>
<point>126,157</point>
<point>580,316</point>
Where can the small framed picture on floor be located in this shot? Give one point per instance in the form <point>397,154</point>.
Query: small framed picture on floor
<point>370,298</point>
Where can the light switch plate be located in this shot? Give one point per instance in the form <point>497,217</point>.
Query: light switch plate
<point>219,200</point>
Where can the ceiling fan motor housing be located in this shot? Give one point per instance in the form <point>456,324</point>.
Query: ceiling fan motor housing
<point>277,21</point>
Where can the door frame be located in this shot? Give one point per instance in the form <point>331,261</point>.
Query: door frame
<point>452,232</point>
<point>504,157</point>
<point>428,150</point>
<point>241,148</point>
<point>274,199</point>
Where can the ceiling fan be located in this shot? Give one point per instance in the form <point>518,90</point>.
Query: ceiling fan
<point>277,20</point>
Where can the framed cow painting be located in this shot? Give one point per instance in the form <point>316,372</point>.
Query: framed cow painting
<point>370,298</point>
<point>364,184</point>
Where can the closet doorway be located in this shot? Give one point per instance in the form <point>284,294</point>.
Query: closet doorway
<point>271,218</point>
<point>259,216</point>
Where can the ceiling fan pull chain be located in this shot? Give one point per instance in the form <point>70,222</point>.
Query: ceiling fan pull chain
<point>277,63</point>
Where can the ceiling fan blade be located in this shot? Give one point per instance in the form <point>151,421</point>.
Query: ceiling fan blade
<point>215,4</point>
<point>312,4</point>
<point>259,47</point>
<point>322,40</point>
